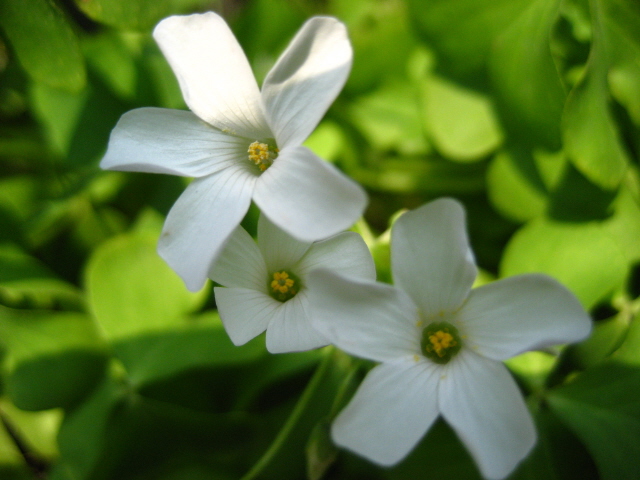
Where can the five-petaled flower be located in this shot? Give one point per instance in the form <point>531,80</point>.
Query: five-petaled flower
<point>238,142</point>
<point>440,344</point>
<point>265,284</point>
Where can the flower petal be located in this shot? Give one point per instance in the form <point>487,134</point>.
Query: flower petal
<point>290,329</point>
<point>306,79</point>
<point>279,249</point>
<point>345,254</point>
<point>159,140</point>
<point>481,401</point>
<point>240,264</point>
<point>521,313</point>
<point>245,313</point>
<point>214,75</point>
<point>366,319</point>
<point>393,408</point>
<point>430,256</point>
<point>308,197</point>
<point>201,221</point>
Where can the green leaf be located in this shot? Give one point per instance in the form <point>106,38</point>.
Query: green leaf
<point>576,199</point>
<point>56,358</point>
<point>607,335</point>
<point>511,191</point>
<point>131,290</point>
<point>44,42</point>
<point>557,455</point>
<point>430,176</point>
<point>108,54</point>
<point>59,111</point>
<point>25,280</point>
<point>205,343</point>
<point>264,29</point>
<point>603,408</point>
<point>321,451</point>
<point>521,56</point>
<point>533,368</point>
<point>463,31</point>
<point>590,134</point>
<point>77,125</point>
<point>134,14</point>
<point>566,251</point>
<point>461,123</point>
<point>623,18</point>
<point>624,223</point>
<point>37,429</point>
<point>441,454</point>
<point>119,433</point>
<point>284,457</point>
<point>327,141</point>
<point>382,40</point>
<point>272,369</point>
<point>389,118</point>
<point>81,436</point>
<point>629,351</point>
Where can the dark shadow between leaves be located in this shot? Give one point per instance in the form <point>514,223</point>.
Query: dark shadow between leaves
<point>576,199</point>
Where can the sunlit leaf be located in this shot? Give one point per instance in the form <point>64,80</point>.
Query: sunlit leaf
<point>56,61</point>
<point>461,123</point>
<point>131,290</point>
<point>37,429</point>
<point>389,118</point>
<point>533,368</point>
<point>56,358</point>
<point>624,224</point>
<point>327,141</point>
<point>511,191</point>
<point>566,251</point>
<point>591,136</point>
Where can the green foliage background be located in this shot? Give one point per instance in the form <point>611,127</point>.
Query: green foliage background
<point>528,111</point>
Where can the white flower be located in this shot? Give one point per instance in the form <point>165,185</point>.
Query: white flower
<point>241,143</point>
<point>265,284</point>
<point>440,344</point>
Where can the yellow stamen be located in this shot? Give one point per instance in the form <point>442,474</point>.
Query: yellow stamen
<point>441,341</point>
<point>262,154</point>
<point>282,283</point>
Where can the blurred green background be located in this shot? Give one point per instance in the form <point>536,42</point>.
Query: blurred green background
<point>528,111</point>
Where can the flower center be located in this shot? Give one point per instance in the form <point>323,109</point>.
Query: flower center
<point>284,286</point>
<point>262,154</point>
<point>440,342</point>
